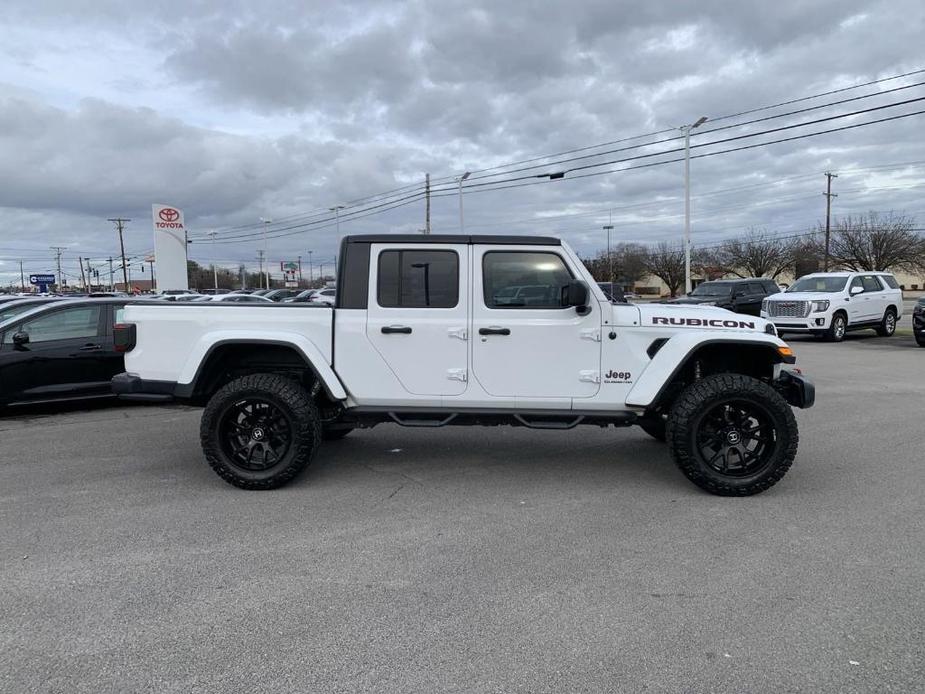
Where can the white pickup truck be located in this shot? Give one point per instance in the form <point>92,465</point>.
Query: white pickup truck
<point>435,330</point>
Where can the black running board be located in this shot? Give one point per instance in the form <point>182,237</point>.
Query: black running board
<point>367,417</point>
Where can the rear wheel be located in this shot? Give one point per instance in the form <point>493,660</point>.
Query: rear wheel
<point>259,431</point>
<point>836,331</point>
<point>732,435</point>
<point>888,324</point>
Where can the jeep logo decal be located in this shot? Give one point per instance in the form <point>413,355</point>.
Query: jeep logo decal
<point>703,322</point>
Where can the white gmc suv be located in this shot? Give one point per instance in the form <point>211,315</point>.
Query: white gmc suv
<point>431,331</point>
<point>828,304</point>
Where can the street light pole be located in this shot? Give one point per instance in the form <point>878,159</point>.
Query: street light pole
<point>266,222</point>
<point>214,268</point>
<point>687,200</point>
<point>460,180</point>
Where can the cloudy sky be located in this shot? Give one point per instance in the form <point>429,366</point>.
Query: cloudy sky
<point>239,110</point>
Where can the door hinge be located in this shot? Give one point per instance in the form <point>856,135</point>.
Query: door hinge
<point>457,375</point>
<point>460,333</point>
<point>589,376</point>
<point>593,334</point>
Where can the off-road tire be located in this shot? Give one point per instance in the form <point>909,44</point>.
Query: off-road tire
<point>653,425</point>
<point>888,324</point>
<point>834,333</point>
<point>289,401</point>
<point>335,433</point>
<point>688,419</point>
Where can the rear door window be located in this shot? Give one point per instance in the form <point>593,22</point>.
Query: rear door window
<point>890,281</point>
<point>417,279</point>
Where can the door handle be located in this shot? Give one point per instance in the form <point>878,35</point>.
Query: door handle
<point>393,329</point>
<point>494,331</point>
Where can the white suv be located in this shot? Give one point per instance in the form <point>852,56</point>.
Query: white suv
<point>828,304</point>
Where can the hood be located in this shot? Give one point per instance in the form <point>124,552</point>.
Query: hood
<point>801,296</point>
<point>699,300</point>
<point>697,317</point>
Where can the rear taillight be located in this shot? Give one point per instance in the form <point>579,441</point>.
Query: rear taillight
<point>123,337</point>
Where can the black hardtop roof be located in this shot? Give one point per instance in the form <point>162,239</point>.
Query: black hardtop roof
<point>500,240</point>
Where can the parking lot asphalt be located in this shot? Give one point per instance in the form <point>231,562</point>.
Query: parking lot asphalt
<point>470,560</point>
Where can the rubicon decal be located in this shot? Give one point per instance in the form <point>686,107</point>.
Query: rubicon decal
<point>703,322</point>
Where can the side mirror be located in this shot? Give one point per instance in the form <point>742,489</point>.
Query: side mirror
<point>20,339</point>
<point>855,290</point>
<point>576,293</point>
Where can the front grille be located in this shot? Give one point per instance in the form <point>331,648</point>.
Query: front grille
<point>788,309</point>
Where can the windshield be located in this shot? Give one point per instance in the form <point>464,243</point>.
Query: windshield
<point>819,284</point>
<point>713,289</point>
<point>14,310</point>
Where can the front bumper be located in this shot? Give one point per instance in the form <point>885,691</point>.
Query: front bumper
<point>812,323</point>
<point>130,386</point>
<point>796,389</point>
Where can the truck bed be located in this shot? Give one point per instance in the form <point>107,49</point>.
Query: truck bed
<point>175,338</point>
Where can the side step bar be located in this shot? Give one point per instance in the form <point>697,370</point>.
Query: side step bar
<point>367,417</point>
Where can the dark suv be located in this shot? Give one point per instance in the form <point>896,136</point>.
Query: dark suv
<point>918,321</point>
<point>741,296</point>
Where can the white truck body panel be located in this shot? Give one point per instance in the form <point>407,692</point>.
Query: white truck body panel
<point>552,358</point>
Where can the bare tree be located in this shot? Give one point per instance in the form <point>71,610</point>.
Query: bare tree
<point>666,261</point>
<point>626,259</point>
<point>758,253</point>
<point>875,242</point>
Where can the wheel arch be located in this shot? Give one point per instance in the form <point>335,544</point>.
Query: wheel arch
<point>659,383</point>
<point>230,357</point>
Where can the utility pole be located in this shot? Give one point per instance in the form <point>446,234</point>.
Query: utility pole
<point>112,287</point>
<point>22,278</point>
<point>828,214</point>
<point>260,260</point>
<point>83,278</point>
<point>214,268</point>
<point>89,275</point>
<point>266,223</point>
<point>120,222</point>
<point>300,272</point>
<point>311,274</point>
<point>151,265</point>
<point>336,210</point>
<point>427,204</point>
<point>58,250</point>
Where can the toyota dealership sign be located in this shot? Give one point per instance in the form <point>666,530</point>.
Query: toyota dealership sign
<point>169,247</point>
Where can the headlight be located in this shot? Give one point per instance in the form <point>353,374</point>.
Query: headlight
<point>820,306</point>
<point>764,305</point>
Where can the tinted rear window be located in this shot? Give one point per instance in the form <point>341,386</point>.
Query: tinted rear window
<point>890,281</point>
<point>417,279</point>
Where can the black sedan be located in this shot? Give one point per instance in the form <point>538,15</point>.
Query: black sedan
<point>918,321</point>
<point>60,351</point>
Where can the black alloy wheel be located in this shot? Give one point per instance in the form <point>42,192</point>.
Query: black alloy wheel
<point>736,438</point>
<point>260,430</point>
<point>732,435</point>
<point>254,434</point>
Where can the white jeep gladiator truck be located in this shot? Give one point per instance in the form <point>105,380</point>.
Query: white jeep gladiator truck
<point>432,331</point>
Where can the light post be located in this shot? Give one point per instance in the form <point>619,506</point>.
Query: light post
<point>311,272</point>
<point>460,179</point>
<point>214,268</point>
<point>336,210</point>
<point>608,228</point>
<point>266,222</point>
<point>687,199</point>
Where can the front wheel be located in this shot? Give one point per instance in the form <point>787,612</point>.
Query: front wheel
<point>259,431</point>
<point>732,435</point>
<point>838,328</point>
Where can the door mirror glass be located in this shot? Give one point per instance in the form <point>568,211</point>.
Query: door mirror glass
<point>20,339</point>
<point>576,294</point>
<point>856,290</point>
